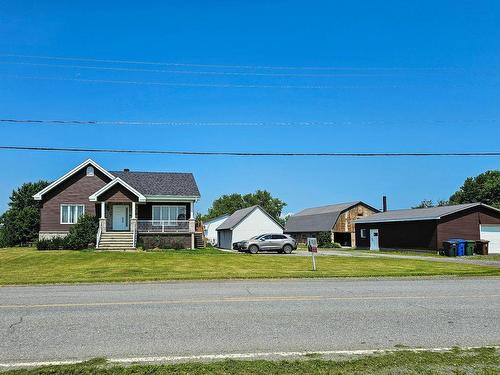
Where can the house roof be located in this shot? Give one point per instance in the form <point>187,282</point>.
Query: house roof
<point>216,219</point>
<point>86,163</point>
<point>432,213</point>
<point>238,216</point>
<point>161,183</point>
<point>318,219</point>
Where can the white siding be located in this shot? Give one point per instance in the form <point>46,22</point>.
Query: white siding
<point>210,230</point>
<point>255,223</point>
<point>491,233</point>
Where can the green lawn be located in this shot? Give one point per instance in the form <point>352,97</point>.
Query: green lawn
<point>29,266</point>
<point>473,361</point>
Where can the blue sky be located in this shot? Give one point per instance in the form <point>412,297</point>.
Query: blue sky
<point>408,77</point>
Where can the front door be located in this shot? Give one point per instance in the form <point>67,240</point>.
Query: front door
<point>374,239</point>
<point>120,217</point>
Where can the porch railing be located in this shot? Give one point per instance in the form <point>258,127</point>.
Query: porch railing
<point>165,226</point>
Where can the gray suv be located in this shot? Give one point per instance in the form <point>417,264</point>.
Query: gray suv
<point>267,242</point>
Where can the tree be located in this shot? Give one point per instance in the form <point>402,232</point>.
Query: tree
<point>22,219</point>
<point>484,188</point>
<point>427,203</point>
<point>227,204</point>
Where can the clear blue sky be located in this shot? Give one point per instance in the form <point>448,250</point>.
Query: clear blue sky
<point>416,76</point>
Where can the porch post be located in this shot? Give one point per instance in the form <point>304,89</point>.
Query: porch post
<point>133,210</point>
<point>191,214</point>
<point>102,219</point>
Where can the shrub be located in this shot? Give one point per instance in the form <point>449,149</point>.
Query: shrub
<point>162,242</point>
<point>83,234</point>
<point>56,243</point>
<point>324,238</point>
<point>330,245</point>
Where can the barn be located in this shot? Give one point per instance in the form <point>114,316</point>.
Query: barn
<point>427,228</point>
<point>244,224</point>
<point>337,219</point>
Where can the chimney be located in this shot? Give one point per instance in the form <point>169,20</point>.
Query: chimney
<point>126,170</point>
<point>384,204</point>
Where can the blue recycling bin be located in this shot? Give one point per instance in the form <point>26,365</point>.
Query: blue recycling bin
<point>461,244</point>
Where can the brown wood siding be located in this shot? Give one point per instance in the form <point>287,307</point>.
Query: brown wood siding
<point>145,211</point>
<point>400,234</point>
<point>345,222</point>
<point>465,224</point>
<point>118,194</point>
<point>74,190</point>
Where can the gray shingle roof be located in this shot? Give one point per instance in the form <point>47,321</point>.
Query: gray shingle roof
<point>160,183</point>
<point>317,219</point>
<point>238,216</point>
<point>432,213</point>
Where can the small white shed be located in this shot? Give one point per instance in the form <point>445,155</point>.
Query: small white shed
<point>244,224</point>
<point>210,228</point>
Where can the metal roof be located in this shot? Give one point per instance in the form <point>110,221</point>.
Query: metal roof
<point>317,219</point>
<point>160,183</point>
<point>414,214</point>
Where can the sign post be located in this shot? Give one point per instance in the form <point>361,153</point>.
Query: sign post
<point>312,247</point>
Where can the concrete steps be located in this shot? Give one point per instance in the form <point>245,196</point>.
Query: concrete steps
<point>116,241</point>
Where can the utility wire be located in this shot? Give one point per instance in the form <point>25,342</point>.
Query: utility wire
<point>268,67</point>
<point>195,72</point>
<point>220,123</point>
<point>253,154</point>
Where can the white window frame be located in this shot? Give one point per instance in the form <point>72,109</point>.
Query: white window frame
<point>68,205</point>
<point>162,221</point>
<point>362,233</point>
<point>90,171</point>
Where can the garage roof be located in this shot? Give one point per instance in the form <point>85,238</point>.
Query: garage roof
<point>238,216</point>
<point>318,219</point>
<point>414,214</point>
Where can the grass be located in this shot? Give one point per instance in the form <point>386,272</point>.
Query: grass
<point>473,361</point>
<point>29,266</point>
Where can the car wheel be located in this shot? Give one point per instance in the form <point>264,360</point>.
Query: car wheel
<point>287,249</point>
<point>253,249</point>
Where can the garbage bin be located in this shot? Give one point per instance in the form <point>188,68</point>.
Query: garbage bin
<point>460,246</point>
<point>481,247</point>
<point>469,247</point>
<point>450,248</point>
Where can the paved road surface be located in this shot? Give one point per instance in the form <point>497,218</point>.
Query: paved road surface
<point>185,318</point>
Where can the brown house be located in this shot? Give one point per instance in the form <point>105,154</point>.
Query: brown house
<point>129,205</point>
<point>338,219</point>
<point>427,228</point>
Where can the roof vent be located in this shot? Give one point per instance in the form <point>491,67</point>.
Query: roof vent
<point>126,170</point>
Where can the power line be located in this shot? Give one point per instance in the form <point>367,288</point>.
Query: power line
<point>222,123</point>
<point>192,85</point>
<point>254,154</point>
<point>195,72</point>
<point>268,67</point>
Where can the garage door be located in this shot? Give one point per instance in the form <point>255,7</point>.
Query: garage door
<point>491,233</point>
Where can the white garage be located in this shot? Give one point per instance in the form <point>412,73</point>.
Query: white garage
<point>244,224</point>
<point>491,233</point>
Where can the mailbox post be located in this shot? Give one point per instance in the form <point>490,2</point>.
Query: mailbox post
<point>312,247</point>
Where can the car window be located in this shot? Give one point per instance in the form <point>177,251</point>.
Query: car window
<point>278,237</point>
<point>267,237</point>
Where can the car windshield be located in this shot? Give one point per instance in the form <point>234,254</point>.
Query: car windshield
<point>257,237</point>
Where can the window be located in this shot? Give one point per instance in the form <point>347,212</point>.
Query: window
<point>168,214</point>
<point>279,237</point>
<point>70,213</point>
<point>90,170</point>
<point>362,232</point>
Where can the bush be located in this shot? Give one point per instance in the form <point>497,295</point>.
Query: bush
<point>324,238</point>
<point>3,238</point>
<point>330,245</point>
<point>83,234</point>
<point>56,243</point>
<point>162,242</point>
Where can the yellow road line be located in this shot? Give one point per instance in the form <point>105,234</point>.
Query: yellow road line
<point>245,299</point>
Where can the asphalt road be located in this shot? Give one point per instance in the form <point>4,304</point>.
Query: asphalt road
<point>46,323</point>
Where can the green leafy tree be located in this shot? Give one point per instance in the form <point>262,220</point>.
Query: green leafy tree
<point>484,188</point>
<point>227,204</point>
<point>83,234</point>
<point>427,203</point>
<point>22,219</point>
